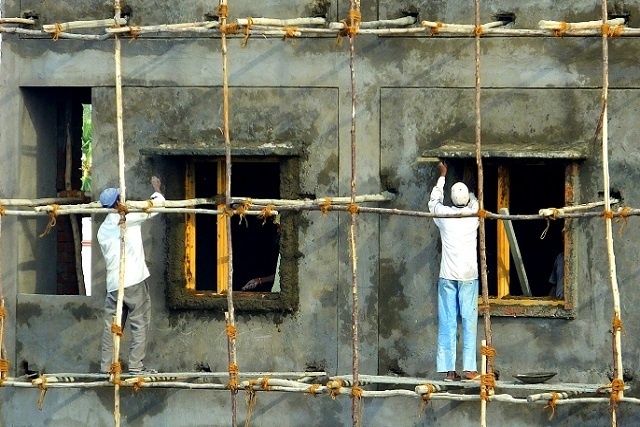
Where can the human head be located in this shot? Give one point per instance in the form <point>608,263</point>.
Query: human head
<point>109,196</point>
<point>459,194</point>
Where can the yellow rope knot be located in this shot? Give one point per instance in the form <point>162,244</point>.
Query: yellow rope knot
<point>43,391</point>
<point>563,27</point>
<point>149,205</point>
<point>617,324</point>
<point>232,28</point>
<point>115,368</point>
<point>222,11</point>
<point>233,376</point>
<point>324,206</point>
<point>490,352</point>
<point>313,388</point>
<point>264,384</point>
<point>4,366</point>
<point>357,392</point>
<point>335,390</point>
<point>242,209</point>
<point>482,213</point>
<point>552,404</point>
<point>116,329</point>
<point>3,312</point>
<point>3,210</point>
<point>52,219</point>
<point>266,213</point>
<point>138,384</point>
<point>289,33</point>
<point>246,32</point>
<point>607,213</point>
<point>134,32</point>
<point>624,218</point>
<point>426,397</point>
<point>57,32</point>
<point>353,208</point>
<point>617,387</point>
<point>477,30</point>
<point>228,212</point>
<point>231,331</point>
<point>436,30</point>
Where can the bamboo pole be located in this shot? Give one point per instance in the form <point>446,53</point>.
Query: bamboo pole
<point>76,25</point>
<point>22,21</point>
<point>271,22</point>
<point>230,314</point>
<point>616,341</point>
<point>123,225</point>
<point>384,23</point>
<point>588,25</point>
<point>356,402</point>
<point>205,26</point>
<point>462,28</point>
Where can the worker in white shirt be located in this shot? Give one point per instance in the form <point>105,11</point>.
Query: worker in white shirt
<point>458,279</point>
<point>137,303</point>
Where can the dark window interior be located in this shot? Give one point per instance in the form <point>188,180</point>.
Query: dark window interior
<point>255,241</point>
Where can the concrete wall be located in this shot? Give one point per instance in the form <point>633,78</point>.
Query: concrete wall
<point>412,93</point>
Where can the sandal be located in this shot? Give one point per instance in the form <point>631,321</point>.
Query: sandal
<point>471,376</point>
<point>452,376</point>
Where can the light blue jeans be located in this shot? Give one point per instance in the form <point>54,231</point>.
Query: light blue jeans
<point>457,298</point>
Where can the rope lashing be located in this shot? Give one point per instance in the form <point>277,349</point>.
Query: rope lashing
<point>264,384</point>
<point>624,218</point>
<point>222,11</point>
<point>349,30</point>
<point>617,387</point>
<point>116,368</point>
<point>233,376</point>
<point>138,384</point>
<point>490,352</point>
<point>117,329</point>
<point>266,213</point>
<point>228,212</point>
<point>560,32</point>
<point>231,331</point>
<point>357,392</point>
<point>607,214</point>
<point>52,219</point>
<point>289,33</point>
<point>609,31</point>
<point>324,206</point>
<point>482,213</point>
<point>552,404</point>
<point>436,30</point>
<point>149,205</point>
<point>242,209</point>
<point>57,32</point>
<point>134,32</point>
<point>477,30</point>
<point>335,387</point>
<point>4,369</point>
<point>488,383</point>
<point>425,398</point>
<point>3,312</point>
<point>246,31</point>
<point>250,400</point>
<point>43,391</point>
<point>3,210</point>
<point>617,324</point>
<point>230,29</point>
<point>123,211</point>
<point>313,389</point>
<point>353,208</point>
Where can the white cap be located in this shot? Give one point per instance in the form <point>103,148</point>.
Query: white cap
<point>459,194</point>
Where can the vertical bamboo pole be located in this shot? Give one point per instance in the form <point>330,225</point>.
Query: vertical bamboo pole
<point>482,229</point>
<point>230,315</point>
<point>616,342</point>
<point>354,15</point>
<point>123,225</point>
<point>3,351</point>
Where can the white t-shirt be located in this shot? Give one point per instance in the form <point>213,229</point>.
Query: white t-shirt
<point>135,266</point>
<point>459,236</point>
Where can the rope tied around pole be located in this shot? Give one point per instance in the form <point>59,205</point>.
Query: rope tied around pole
<point>115,368</point>
<point>246,31</point>
<point>134,32</point>
<point>289,33</point>
<point>250,400</point>
<point>353,208</point>
<point>477,30</point>
<point>233,376</point>
<point>57,31</point>
<point>425,398</point>
<point>52,219</point>
<point>324,206</point>
<point>264,384</point>
<point>117,329</point>
<point>609,31</point>
<point>313,388</point>
<point>490,352</point>
<point>482,213</point>
<point>560,31</point>
<point>138,384</point>
<point>624,218</point>
<point>607,214</point>
<point>4,370</point>
<point>242,209</point>
<point>617,324</point>
<point>43,391</point>
<point>149,205</point>
<point>552,404</point>
<point>228,29</point>
<point>335,387</point>
<point>357,392</point>
<point>487,384</point>
<point>222,11</point>
<point>266,213</point>
<point>3,312</point>
<point>436,30</point>
<point>231,331</point>
<point>3,210</point>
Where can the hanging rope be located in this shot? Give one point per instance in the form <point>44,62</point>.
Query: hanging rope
<point>52,219</point>
<point>425,398</point>
<point>552,404</point>
<point>43,391</point>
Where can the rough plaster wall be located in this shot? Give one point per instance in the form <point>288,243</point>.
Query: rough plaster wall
<point>398,283</point>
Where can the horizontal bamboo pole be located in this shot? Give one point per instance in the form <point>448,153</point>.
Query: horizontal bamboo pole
<point>39,202</point>
<point>460,28</point>
<point>552,211</point>
<point>588,25</point>
<point>63,35</point>
<point>166,28</point>
<point>77,25</point>
<point>384,23</point>
<point>270,22</point>
<point>17,21</point>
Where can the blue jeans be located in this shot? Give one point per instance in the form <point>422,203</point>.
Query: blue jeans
<point>457,298</point>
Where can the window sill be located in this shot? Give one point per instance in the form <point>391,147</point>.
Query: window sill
<point>183,299</point>
<point>529,307</point>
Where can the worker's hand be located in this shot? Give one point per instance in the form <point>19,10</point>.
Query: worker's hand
<point>443,169</point>
<point>251,284</point>
<point>155,182</point>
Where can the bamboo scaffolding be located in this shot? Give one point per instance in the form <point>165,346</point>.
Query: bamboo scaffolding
<point>198,27</point>
<point>271,22</point>
<point>588,25</point>
<point>77,25</point>
<point>21,21</point>
<point>439,27</point>
<point>384,23</point>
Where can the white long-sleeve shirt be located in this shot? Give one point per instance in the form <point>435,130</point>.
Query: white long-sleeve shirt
<point>459,236</point>
<point>135,266</point>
